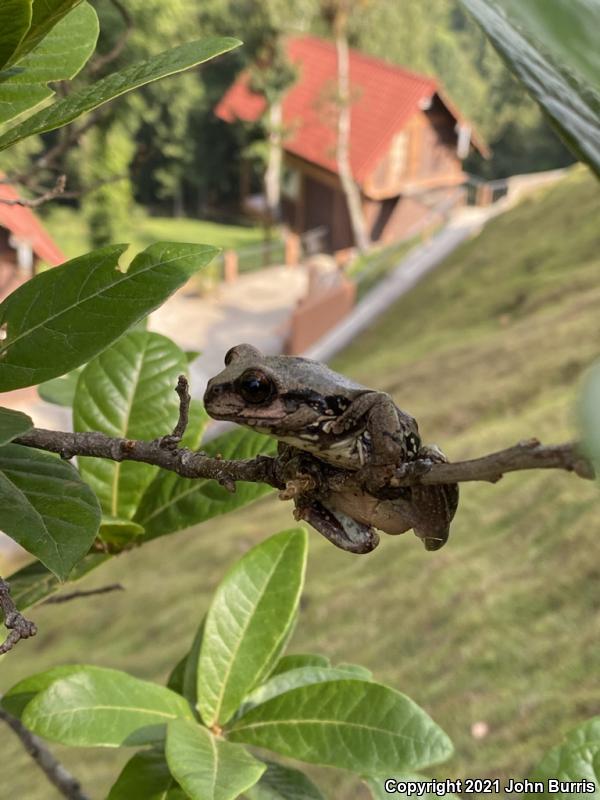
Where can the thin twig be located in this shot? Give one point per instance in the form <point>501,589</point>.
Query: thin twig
<point>65,598</point>
<point>49,194</point>
<point>18,626</point>
<point>172,440</point>
<point>187,463</point>
<point>100,61</point>
<point>66,784</point>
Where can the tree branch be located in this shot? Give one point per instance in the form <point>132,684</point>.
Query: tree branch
<point>18,627</point>
<point>49,194</point>
<point>530,454</point>
<point>66,784</point>
<point>187,463</point>
<point>100,61</point>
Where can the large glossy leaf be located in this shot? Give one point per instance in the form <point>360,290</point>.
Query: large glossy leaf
<point>13,424</point>
<point>301,676</point>
<point>248,622</point>
<point>160,66</point>
<point>15,19</point>
<point>173,503</point>
<point>16,700</point>
<point>35,582</point>
<point>45,15</point>
<point>283,783</point>
<point>66,315</point>
<point>208,767</point>
<point>589,413</point>
<point>552,47</point>
<point>46,507</point>
<point>58,57</point>
<point>356,725</point>
<point>298,660</point>
<point>576,759</point>
<point>127,392</point>
<point>103,707</point>
<point>146,776</point>
<point>189,686</point>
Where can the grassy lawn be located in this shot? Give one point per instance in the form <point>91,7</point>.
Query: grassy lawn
<point>502,625</point>
<point>69,230</point>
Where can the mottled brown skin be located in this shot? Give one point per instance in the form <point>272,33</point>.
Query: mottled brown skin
<point>328,426</point>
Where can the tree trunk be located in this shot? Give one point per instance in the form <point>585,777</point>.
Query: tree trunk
<point>351,190</point>
<point>272,177</point>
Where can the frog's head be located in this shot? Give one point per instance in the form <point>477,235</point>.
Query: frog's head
<point>273,394</point>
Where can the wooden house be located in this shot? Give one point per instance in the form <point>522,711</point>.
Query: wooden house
<point>407,143</point>
<point>24,242</point>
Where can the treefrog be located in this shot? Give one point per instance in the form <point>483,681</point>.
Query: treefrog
<point>330,428</point>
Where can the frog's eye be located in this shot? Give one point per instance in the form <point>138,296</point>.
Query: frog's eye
<point>254,386</point>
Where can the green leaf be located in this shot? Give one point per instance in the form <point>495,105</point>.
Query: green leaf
<point>46,507</point>
<point>248,622</point>
<point>117,531</point>
<point>35,582</point>
<point>363,727</point>
<point>283,783</point>
<point>103,708</point>
<point>301,676</point>
<point>15,19</point>
<point>13,424</point>
<point>172,503</point>
<point>207,767</point>
<point>146,776</point>
<point>58,57</point>
<point>175,679</point>
<point>128,391</point>
<point>190,673</point>
<point>553,49</point>
<point>298,660</point>
<point>160,66</point>
<point>86,304</point>
<point>61,390</point>
<point>45,15</point>
<point>22,693</point>
<point>362,673</point>
<point>576,759</point>
<point>192,355</point>
<point>589,414</point>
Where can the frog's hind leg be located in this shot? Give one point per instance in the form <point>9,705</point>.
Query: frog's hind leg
<point>341,530</point>
<point>435,504</point>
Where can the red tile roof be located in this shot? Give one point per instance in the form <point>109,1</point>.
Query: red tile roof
<point>25,225</point>
<point>384,98</point>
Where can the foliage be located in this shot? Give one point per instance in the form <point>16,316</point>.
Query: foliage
<point>91,296</point>
<point>577,758</point>
<point>552,49</point>
<point>338,717</point>
<point>231,690</point>
<point>590,415</point>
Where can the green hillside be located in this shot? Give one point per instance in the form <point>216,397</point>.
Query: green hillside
<point>502,625</point>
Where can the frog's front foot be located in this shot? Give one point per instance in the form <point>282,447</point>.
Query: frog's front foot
<point>341,530</point>
<point>376,478</point>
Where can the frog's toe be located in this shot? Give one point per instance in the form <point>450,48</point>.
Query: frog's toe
<point>341,530</point>
<point>433,541</point>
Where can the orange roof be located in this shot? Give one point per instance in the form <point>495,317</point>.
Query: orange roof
<point>383,98</point>
<point>25,225</point>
